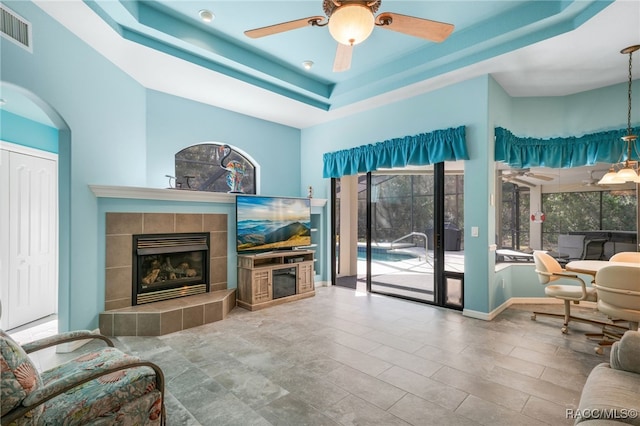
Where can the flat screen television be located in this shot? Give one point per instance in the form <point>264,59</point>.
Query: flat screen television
<point>272,223</point>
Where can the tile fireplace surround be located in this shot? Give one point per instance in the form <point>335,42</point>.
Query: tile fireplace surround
<point>120,318</point>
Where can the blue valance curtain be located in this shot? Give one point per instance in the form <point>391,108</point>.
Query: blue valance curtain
<point>522,152</point>
<point>418,150</point>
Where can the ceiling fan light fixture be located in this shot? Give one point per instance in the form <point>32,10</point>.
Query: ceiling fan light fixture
<point>351,23</point>
<point>610,177</point>
<point>627,173</point>
<point>628,169</point>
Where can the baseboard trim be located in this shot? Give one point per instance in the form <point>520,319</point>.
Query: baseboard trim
<point>488,316</point>
<point>534,301</point>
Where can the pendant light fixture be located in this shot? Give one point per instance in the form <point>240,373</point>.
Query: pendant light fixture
<point>628,169</point>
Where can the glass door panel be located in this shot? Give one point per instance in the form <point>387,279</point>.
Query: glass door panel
<point>402,262</point>
<point>453,240</point>
<point>345,207</point>
<point>362,233</point>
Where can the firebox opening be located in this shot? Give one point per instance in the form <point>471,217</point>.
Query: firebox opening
<point>167,266</point>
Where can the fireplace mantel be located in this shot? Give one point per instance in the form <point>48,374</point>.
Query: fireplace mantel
<point>164,194</point>
<point>167,194</point>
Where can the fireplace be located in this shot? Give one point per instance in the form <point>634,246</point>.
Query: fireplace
<point>167,266</point>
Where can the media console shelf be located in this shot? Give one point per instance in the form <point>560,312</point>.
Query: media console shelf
<point>268,279</point>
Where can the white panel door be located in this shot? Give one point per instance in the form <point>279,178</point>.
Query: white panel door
<point>31,291</point>
<point>4,234</point>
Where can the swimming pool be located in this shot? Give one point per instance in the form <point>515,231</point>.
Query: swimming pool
<point>382,254</point>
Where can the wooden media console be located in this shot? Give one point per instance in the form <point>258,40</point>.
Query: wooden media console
<point>268,279</point>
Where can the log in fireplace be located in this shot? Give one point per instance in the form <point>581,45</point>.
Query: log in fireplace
<point>167,266</point>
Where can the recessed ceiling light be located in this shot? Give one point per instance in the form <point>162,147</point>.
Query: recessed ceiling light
<point>2,102</point>
<point>307,65</point>
<point>206,15</point>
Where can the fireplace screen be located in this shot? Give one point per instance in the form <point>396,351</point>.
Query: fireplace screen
<point>169,265</point>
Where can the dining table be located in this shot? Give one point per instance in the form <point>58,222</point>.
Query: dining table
<point>591,267</point>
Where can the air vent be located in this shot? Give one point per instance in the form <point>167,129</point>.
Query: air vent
<point>170,243</point>
<point>15,28</point>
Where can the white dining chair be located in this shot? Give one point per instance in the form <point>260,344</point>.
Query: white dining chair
<point>549,270</point>
<point>626,256</point>
<point>618,289</point>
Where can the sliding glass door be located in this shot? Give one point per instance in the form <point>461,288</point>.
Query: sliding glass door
<point>409,234</point>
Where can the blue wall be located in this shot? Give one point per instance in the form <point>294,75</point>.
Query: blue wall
<point>464,104</point>
<point>101,111</point>
<point>17,129</point>
<point>546,117</point>
<point>500,114</point>
<point>515,280</point>
<point>113,131</point>
<point>480,104</point>
<point>175,123</point>
<point>582,113</point>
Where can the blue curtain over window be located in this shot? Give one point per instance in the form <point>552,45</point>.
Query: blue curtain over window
<point>574,151</point>
<point>418,150</point>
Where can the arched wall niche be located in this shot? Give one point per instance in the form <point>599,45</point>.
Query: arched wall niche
<point>212,165</point>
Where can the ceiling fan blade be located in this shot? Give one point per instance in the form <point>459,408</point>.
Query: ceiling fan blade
<point>417,27</point>
<point>541,177</point>
<point>510,175</point>
<point>521,182</point>
<point>513,178</point>
<point>342,61</point>
<point>283,26</point>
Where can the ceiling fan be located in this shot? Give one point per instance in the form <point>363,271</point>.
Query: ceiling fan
<point>591,181</point>
<point>517,173</point>
<point>350,22</point>
<point>514,179</point>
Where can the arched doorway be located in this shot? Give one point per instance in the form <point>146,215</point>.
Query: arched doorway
<point>35,163</point>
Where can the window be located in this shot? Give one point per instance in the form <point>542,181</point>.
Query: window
<point>570,199</point>
<point>214,168</point>
<point>598,210</point>
<point>514,231</point>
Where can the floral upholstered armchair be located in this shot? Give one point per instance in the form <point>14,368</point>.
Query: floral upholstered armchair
<point>103,387</point>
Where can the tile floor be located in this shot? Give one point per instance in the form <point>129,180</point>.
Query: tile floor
<point>347,358</point>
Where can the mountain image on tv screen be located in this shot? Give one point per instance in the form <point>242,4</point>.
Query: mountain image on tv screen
<point>271,223</point>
